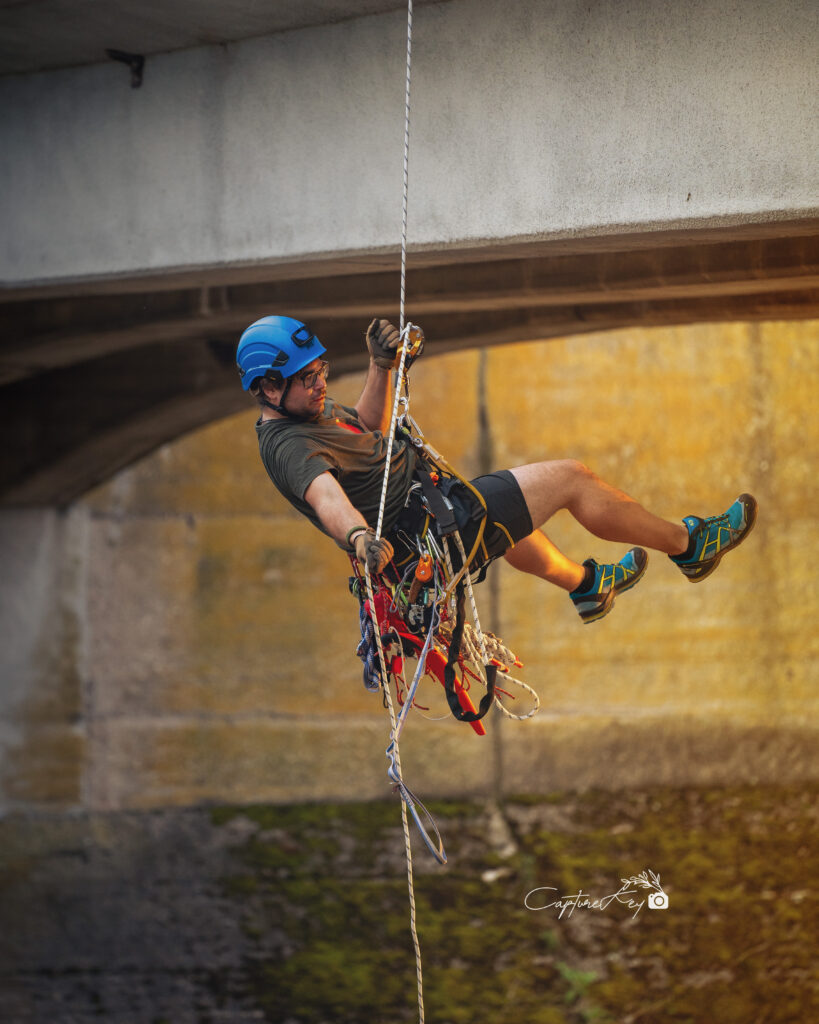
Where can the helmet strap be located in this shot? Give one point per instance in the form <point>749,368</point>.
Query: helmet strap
<point>280,407</point>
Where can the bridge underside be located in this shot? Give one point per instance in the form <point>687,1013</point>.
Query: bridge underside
<point>97,375</point>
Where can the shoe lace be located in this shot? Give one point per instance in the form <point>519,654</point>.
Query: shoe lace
<point>720,520</point>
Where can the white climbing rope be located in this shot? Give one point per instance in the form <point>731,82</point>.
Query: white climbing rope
<point>396,757</point>
<point>406,165</point>
<point>498,652</point>
<point>475,641</point>
<point>471,593</point>
<point>391,435</point>
<point>393,420</point>
<point>404,328</point>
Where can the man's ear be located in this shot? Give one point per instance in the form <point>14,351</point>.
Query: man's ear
<point>270,389</point>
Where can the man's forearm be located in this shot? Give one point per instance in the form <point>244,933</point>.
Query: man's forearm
<point>373,405</point>
<point>338,522</point>
<point>336,512</point>
<point>346,524</point>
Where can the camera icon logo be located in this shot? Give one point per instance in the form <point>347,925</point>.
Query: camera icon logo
<point>657,901</point>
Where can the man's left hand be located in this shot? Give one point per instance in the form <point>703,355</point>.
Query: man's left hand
<point>376,554</point>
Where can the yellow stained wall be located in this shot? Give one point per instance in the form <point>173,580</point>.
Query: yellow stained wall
<point>221,637</point>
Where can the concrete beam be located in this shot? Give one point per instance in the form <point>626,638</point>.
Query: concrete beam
<point>91,383</point>
<point>40,336</point>
<point>530,122</point>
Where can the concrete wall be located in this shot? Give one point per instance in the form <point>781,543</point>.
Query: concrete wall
<point>529,120</point>
<point>181,636</point>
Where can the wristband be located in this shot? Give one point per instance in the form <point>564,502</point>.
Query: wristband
<point>348,540</point>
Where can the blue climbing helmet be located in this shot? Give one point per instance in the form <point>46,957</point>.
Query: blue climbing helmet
<point>275,347</point>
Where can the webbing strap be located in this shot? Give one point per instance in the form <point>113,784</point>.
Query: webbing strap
<point>433,457</point>
<point>452,661</point>
<point>444,516</point>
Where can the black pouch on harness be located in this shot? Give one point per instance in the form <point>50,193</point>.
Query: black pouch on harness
<point>445,519</point>
<point>465,505</point>
<point>443,507</point>
<point>469,515</point>
<point>426,504</point>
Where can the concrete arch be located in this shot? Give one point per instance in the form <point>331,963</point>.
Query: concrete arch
<point>91,382</point>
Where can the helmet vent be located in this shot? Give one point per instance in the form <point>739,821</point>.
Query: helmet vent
<point>302,336</point>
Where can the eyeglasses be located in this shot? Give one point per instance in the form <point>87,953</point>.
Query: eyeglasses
<point>309,378</point>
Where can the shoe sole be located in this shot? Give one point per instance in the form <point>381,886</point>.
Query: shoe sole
<point>750,503</point>
<point>606,607</point>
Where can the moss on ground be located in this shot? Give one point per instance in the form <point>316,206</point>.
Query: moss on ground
<point>736,944</point>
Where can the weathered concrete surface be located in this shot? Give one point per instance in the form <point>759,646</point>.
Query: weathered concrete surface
<point>41,657</point>
<point>530,121</point>
<point>119,918</point>
<point>299,913</point>
<point>182,636</point>
<point>45,34</point>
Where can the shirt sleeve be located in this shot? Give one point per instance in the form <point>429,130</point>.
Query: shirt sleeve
<point>298,461</point>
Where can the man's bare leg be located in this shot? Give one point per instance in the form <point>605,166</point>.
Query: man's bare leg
<point>537,555</point>
<point>600,508</point>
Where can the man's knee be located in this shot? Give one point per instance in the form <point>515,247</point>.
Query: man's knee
<point>551,485</point>
<point>569,471</point>
<point>573,467</point>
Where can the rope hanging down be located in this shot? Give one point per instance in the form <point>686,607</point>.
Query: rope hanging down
<point>379,616</point>
<point>405,195</point>
<point>393,751</point>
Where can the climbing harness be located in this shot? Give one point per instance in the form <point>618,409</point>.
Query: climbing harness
<point>416,609</point>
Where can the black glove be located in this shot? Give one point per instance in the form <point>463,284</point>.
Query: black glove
<point>375,554</point>
<point>382,341</point>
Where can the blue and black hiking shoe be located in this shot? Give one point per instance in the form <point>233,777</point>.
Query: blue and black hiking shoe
<point>709,539</point>
<point>595,595</point>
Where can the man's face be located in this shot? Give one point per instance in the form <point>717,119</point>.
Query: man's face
<point>307,391</point>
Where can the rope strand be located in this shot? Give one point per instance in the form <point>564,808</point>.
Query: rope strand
<point>399,377</point>
<point>406,165</point>
<point>391,435</point>
<point>394,753</point>
<point>404,203</point>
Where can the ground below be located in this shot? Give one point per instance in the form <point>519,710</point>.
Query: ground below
<point>299,914</point>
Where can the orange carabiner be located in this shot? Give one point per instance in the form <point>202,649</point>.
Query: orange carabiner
<point>423,574</point>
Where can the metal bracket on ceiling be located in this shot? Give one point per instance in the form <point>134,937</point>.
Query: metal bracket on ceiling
<point>135,61</point>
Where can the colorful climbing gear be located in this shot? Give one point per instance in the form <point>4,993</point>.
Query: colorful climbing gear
<point>427,598</point>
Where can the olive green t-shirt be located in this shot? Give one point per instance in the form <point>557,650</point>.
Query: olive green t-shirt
<point>294,453</point>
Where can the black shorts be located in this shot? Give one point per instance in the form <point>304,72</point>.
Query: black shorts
<point>507,518</point>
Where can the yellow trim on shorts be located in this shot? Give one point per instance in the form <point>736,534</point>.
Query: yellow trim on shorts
<point>500,526</point>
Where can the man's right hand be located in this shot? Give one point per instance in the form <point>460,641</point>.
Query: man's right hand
<point>375,554</point>
<point>383,340</point>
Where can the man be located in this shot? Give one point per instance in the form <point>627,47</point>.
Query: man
<point>328,461</point>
